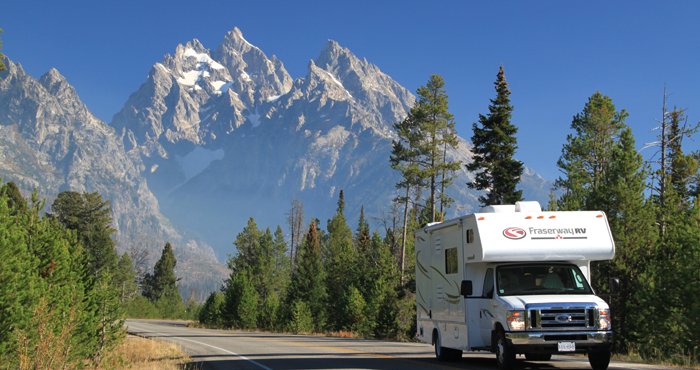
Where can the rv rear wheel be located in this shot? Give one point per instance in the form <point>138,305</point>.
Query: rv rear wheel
<point>505,355</point>
<point>599,360</point>
<point>444,353</point>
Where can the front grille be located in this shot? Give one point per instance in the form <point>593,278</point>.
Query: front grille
<point>562,318</point>
<point>565,337</point>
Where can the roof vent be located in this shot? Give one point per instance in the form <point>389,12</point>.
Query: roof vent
<point>528,206</point>
<point>501,208</point>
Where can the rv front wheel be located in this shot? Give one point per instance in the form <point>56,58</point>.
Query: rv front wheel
<point>599,360</point>
<point>505,355</point>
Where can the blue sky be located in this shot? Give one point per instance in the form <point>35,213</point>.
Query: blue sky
<point>556,53</point>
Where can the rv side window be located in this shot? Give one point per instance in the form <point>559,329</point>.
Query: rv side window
<point>488,284</point>
<point>470,236</point>
<point>451,264</point>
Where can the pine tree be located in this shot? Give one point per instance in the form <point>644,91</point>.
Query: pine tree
<point>248,254</point>
<point>125,278</point>
<point>281,264</point>
<point>241,301</point>
<point>295,219</point>
<point>307,285</point>
<point>91,217</point>
<point>437,126</point>
<point>15,200</point>
<point>381,295</point>
<point>20,286</point>
<point>46,296</point>
<point>420,154</point>
<point>632,222</point>
<point>587,151</point>
<point>341,274</point>
<point>405,157</point>
<point>161,286</point>
<point>212,311</point>
<point>496,171</point>
<point>682,167</point>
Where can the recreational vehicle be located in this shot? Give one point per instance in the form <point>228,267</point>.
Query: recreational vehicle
<point>514,279</point>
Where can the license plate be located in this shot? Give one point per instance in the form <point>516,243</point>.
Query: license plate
<point>567,346</point>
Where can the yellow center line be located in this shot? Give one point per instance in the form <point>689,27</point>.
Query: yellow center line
<point>333,348</point>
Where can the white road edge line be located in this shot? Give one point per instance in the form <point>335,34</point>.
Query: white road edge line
<point>217,348</point>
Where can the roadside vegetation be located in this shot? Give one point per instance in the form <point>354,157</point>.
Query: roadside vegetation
<point>146,354</point>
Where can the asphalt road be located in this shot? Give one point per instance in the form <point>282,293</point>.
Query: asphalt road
<point>225,349</point>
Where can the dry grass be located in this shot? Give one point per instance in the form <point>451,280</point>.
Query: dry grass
<point>140,353</point>
<point>341,334</point>
<point>682,362</point>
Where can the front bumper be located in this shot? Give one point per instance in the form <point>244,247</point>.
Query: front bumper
<point>546,342</point>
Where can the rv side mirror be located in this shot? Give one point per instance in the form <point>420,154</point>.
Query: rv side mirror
<point>614,284</point>
<point>466,288</point>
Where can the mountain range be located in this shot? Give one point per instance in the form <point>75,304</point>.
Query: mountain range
<point>212,138</point>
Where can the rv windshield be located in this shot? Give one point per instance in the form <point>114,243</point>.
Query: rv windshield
<point>541,279</point>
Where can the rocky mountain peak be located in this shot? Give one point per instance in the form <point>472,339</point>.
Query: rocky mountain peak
<point>371,89</point>
<point>333,54</point>
<point>262,78</point>
<point>57,85</point>
<point>234,41</point>
<point>194,44</point>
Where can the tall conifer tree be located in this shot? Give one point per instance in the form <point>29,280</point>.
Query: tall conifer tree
<point>587,152</point>
<point>163,282</point>
<point>91,217</point>
<point>308,279</point>
<point>496,171</point>
<point>341,273</point>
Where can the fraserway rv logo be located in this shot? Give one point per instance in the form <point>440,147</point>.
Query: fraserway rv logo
<point>514,233</point>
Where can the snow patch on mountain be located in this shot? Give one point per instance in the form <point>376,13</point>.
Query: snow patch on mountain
<point>202,58</point>
<point>197,160</point>
<point>254,119</point>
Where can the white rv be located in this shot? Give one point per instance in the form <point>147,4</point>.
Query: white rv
<point>514,280</point>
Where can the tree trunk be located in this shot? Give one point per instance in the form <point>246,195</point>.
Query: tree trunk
<point>403,238</point>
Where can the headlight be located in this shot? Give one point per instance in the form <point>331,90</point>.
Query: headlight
<point>604,319</point>
<point>516,320</point>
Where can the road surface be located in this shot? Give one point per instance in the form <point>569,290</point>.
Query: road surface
<point>224,349</point>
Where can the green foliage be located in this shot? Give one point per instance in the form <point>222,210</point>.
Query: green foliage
<point>584,159</point>
<point>269,317</point>
<point>340,263</point>
<point>420,152</point>
<point>15,200</point>
<point>162,283</point>
<point>241,301</point>
<point>657,239</point>
<point>308,279</point>
<point>55,311</point>
<point>91,218</point>
<point>354,310</point>
<point>212,312</point>
<point>140,307</point>
<point>495,144</point>
<point>406,315</point>
<point>106,319</point>
<point>262,265</point>
<point>125,279</point>
<point>301,319</point>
